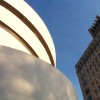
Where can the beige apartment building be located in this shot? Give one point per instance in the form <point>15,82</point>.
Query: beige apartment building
<point>88,66</point>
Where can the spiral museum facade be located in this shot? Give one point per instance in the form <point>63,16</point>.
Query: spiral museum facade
<point>27,57</point>
<point>29,34</point>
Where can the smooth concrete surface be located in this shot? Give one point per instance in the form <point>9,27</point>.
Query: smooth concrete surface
<point>26,77</point>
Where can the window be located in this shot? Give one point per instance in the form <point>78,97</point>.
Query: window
<point>99,76</point>
<point>85,83</point>
<point>96,91</point>
<point>96,69</point>
<point>96,59</point>
<point>88,70</point>
<point>99,55</point>
<point>99,45</point>
<point>93,64</point>
<point>83,77</point>
<point>81,71</point>
<point>93,84</point>
<point>93,73</point>
<point>89,97</point>
<point>96,80</point>
<point>97,25</point>
<point>99,64</point>
<point>90,77</point>
<point>97,49</point>
<point>95,28</point>
<point>90,67</point>
<point>99,98</point>
<point>99,87</point>
<point>87,91</point>
<point>98,21</point>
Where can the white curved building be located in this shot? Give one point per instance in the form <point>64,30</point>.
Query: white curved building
<point>24,30</point>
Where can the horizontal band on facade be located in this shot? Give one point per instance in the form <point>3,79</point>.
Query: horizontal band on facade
<point>19,38</point>
<point>30,26</point>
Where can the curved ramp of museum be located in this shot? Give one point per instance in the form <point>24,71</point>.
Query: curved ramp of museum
<point>22,29</point>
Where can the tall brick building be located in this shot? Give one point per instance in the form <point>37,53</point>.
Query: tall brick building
<point>88,66</point>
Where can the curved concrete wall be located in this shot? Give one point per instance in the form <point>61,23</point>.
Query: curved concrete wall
<point>22,22</point>
<point>25,77</point>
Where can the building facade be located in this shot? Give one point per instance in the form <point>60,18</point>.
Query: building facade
<point>88,67</point>
<point>28,57</point>
<point>25,30</point>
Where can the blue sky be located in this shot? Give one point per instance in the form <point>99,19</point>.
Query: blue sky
<point>68,22</point>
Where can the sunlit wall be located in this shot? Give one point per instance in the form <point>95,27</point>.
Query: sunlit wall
<point>25,77</point>
<point>24,30</point>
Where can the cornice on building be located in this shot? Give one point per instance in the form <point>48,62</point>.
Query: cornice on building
<point>91,46</point>
<point>94,29</point>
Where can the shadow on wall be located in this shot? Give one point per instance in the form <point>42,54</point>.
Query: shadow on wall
<point>25,77</point>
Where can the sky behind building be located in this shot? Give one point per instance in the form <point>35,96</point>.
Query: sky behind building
<point>68,22</point>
